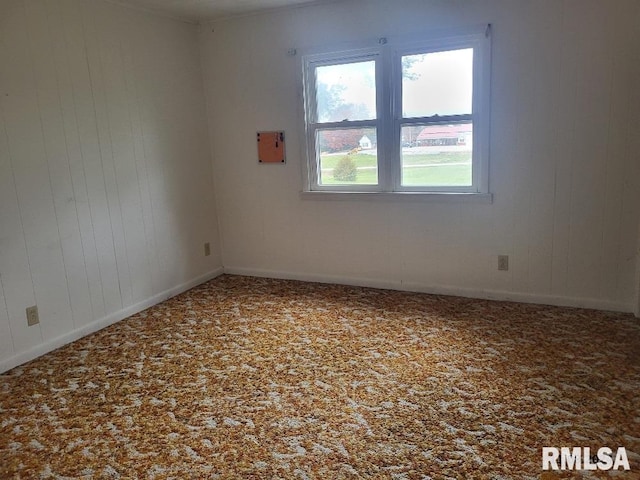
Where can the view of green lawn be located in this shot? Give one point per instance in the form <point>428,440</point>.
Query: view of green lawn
<point>422,169</point>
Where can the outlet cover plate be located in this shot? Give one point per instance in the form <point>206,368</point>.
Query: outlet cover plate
<point>32,316</point>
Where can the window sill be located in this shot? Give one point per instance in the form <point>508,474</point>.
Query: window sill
<point>427,197</point>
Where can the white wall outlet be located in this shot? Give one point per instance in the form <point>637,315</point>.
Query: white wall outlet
<point>207,249</point>
<point>32,316</point>
<point>503,262</point>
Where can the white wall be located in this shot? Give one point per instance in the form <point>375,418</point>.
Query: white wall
<point>564,156</point>
<point>105,176</point>
<point>636,106</point>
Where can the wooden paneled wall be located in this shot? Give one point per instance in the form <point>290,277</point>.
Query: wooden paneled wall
<point>105,176</point>
<point>564,161</point>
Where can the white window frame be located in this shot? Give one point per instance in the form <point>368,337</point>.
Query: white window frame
<point>312,125</point>
<point>387,54</point>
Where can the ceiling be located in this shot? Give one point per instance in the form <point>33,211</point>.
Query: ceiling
<point>203,10</point>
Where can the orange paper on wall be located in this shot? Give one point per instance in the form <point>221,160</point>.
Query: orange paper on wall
<point>270,147</point>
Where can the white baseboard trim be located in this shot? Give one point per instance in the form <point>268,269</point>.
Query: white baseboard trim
<point>310,277</point>
<point>542,299</point>
<point>99,324</point>
<point>103,322</point>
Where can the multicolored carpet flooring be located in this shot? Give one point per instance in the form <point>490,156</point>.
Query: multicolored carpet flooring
<point>272,379</point>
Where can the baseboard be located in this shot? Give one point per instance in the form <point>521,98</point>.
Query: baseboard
<point>304,277</point>
<point>101,323</point>
<point>85,330</point>
<point>542,299</point>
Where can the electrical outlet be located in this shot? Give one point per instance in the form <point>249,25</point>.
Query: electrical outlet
<point>207,249</point>
<point>503,262</point>
<point>32,316</point>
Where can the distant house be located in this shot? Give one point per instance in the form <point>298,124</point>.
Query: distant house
<point>366,142</point>
<point>440,135</point>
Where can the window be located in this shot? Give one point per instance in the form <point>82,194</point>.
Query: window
<point>403,116</point>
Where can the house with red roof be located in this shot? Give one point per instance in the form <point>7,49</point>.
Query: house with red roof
<point>449,135</point>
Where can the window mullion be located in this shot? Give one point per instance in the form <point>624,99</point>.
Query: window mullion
<point>385,86</point>
<point>395,108</point>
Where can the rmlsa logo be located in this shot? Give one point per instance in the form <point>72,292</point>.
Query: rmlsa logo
<point>580,458</point>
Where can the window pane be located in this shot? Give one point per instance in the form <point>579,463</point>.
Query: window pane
<point>346,92</point>
<point>437,155</point>
<point>439,83</point>
<point>348,156</point>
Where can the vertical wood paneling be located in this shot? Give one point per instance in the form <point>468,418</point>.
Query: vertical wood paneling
<point>561,171</point>
<point>140,155</point>
<point>502,153</point>
<point>23,120</point>
<point>80,159</point>
<point>629,248</point>
<point>64,201</point>
<point>6,340</point>
<point>155,144</point>
<point>633,174</point>
<point>617,150</point>
<point>15,274</point>
<point>540,157</point>
<point>103,287</point>
<point>524,70</point>
<point>8,216</point>
<point>564,138</point>
<point>63,66</point>
<point>115,297</point>
<point>124,164</point>
<point>589,151</point>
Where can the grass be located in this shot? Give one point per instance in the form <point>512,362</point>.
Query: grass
<point>425,169</point>
<point>361,160</point>
<point>451,175</point>
<point>364,177</point>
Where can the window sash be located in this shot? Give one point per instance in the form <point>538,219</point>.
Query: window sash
<point>434,121</point>
<point>315,163</point>
<point>312,124</point>
<point>433,46</point>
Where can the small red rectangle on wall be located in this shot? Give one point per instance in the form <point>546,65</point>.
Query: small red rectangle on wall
<point>270,147</point>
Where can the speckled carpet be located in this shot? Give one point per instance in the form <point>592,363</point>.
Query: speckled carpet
<point>272,379</point>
